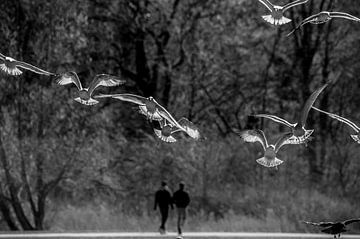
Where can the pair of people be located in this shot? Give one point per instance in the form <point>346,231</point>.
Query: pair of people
<point>164,200</point>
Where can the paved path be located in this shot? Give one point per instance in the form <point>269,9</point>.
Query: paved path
<point>169,235</point>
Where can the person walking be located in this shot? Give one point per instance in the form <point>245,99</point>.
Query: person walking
<point>163,200</point>
<point>181,199</point>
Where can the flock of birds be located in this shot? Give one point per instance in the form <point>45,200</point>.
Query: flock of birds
<point>153,111</point>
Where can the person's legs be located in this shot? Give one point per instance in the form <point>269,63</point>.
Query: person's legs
<point>181,219</point>
<point>164,215</point>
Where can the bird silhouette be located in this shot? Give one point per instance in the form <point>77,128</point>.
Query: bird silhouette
<point>12,67</point>
<point>270,151</point>
<point>334,228</point>
<point>323,17</point>
<point>85,94</point>
<point>300,134</point>
<point>277,12</point>
<point>355,137</point>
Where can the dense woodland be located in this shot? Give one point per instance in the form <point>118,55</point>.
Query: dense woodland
<point>215,62</point>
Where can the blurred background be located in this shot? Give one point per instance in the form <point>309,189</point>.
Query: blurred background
<point>65,166</point>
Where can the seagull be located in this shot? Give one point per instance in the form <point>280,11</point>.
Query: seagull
<point>277,12</point>
<point>166,131</point>
<point>355,137</point>
<point>86,93</point>
<point>323,17</point>
<point>269,159</point>
<point>334,228</point>
<point>300,134</point>
<point>11,66</point>
<point>147,106</point>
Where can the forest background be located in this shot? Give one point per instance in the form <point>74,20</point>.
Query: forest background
<point>65,166</point>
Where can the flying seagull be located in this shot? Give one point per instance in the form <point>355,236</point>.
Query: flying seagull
<point>12,67</point>
<point>334,228</point>
<point>269,159</point>
<point>277,12</point>
<point>166,131</point>
<point>147,106</point>
<point>323,17</point>
<point>300,134</point>
<point>355,137</point>
<point>85,94</point>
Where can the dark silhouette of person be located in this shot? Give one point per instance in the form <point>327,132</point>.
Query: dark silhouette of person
<point>181,199</point>
<point>163,200</point>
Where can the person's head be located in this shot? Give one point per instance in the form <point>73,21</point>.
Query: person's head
<point>163,184</point>
<point>181,185</point>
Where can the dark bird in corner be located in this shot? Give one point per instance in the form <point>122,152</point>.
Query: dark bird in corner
<point>277,12</point>
<point>323,17</point>
<point>334,228</point>
<point>11,66</point>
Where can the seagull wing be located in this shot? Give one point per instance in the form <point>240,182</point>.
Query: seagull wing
<point>136,99</point>
<point>166,115</point>
<point>32,68</point>
<point>308,104</point>
<point>267,4</point>
<point>276,119</point>
<point>339,118</point>
<point>344,15</point>
<point>68,78</point>
<point>293,4</point>
<point>104,80</point>
<point>282,141</point>
<point>252,136</point>
<point>2,57</point>
<point>190,128</point>
<point>351,221</point>
<point>303,22</point>
<point>320,224</point>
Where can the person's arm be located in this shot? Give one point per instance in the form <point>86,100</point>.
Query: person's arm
<point>156,200</point>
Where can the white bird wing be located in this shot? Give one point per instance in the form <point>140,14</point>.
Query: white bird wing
<point>341,119</point>
<point>308,104</point>
<point>252,136</point>
<point>267,4</point>
<point>293,4</point>
<point>166,115</point>
<point>68,78</point>
<point>2,57</point>
<point>190,128</point>
<point>105,80</point>
<point>276,119</point>
<point>136,99</point>
<point>282,141</point>
<point>344,15</point>
<point>32,68</point>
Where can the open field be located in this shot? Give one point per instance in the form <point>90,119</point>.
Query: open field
<point>84,235</point>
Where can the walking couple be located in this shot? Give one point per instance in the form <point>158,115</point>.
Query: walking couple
<point>164,200</point>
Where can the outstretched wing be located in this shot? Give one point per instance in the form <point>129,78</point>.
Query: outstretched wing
<point>136,99</point>
<point>267,4</point>
<point>2,57</point>
<point>344,15</point>
<point>252,136</point>
<point>68,78</point>
<point>308,104</point>
<point>104,80</point>
<point>351,221</point>
<point>276,119</point>
<point>166,115</point>
<point>32,68</point>
<point>305,21</point>
<point>293,4</point>
<point>339,118</point>
<point>190,128</point>
<point>282,141</point>
<point>320,224</point>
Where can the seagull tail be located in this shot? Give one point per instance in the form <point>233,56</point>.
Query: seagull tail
<point>269,163</point>
<point>270,19</point>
